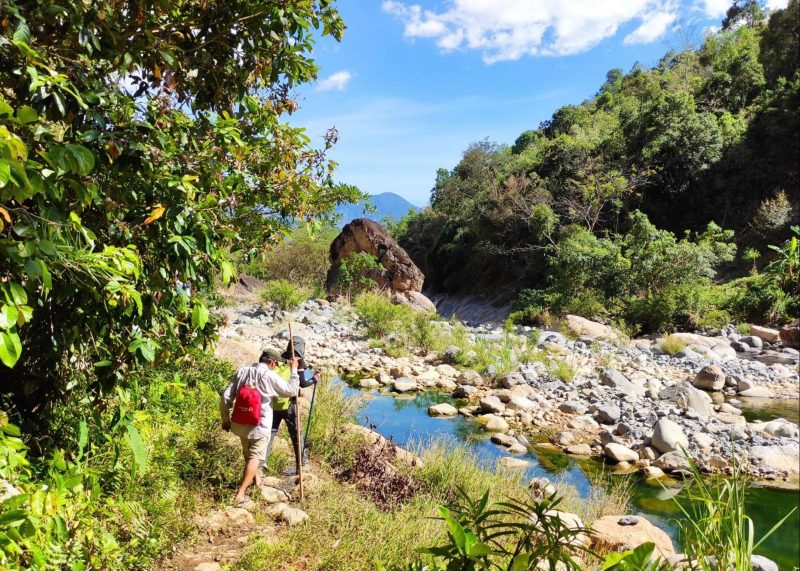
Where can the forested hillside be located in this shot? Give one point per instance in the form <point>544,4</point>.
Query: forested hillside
<point>616,207</point>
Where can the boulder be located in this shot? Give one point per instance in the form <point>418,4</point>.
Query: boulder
<point>781,428</point>
<point>783,458</point>
<point>579,450</point>
<point>687,397</point>
<point>521,403</point>
<point>442,409</point>
<point>404,385</point>
<point>472,378</point>
<point>624,386</point>
<point>761,563</point>
<point>272,495</point>
<point>510,462</point>
<point>709,378</point>
<point>582,327</point>
<point>609,534</point>
<point>398,274</point>
<point>368,383</point>
<point>551,337</point>
<point>672,462</point>
<point>668,436</point>
<point>572,407</point>
<point>583,422</point>
<point>752,341</point>
<point>287,514</point>
<point>651,472</point>
<point>541,487</point>
<point>607,414</point>
<point>765,333</point>
<point>464,391</point>
<point>620,453</point>
<point>415,300</point>
<point>493,423</point>
<point>790,334</point>
<point>491,404</point>
<point>757,392</point>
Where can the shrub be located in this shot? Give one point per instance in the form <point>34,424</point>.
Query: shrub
<point>284,294</point>
<point>379,315</point>
<point>357,273</point>
<point>743,328</point>
<point>672,345</point>
<point>301,258</point>
<point>562,370</point>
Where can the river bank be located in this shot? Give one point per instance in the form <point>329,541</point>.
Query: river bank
<point>628,403</point>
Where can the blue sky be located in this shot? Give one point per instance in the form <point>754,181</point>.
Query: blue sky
<point>413,83</point>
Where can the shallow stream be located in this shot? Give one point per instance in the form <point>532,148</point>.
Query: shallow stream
<point>405,419</point>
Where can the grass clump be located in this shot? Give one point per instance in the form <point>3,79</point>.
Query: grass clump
<point>284,294</point>
<point>379,315</point>
<point>672,345</point>
<point>562,370</point>
<point>743,328</point>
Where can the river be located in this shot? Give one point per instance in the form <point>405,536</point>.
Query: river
<point>405,419</point>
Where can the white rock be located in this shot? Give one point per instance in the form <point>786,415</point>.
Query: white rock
<point>442,409</point>
<point>620,453</point>
<point>668,436</point>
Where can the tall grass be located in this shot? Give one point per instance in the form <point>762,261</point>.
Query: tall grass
<point>672,345</point>
<point>284,294</point>
<point>717,532</point>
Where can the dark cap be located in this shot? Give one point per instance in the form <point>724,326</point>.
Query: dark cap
<point>270,355</point>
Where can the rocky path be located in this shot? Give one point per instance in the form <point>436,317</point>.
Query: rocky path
<point>629,403</point>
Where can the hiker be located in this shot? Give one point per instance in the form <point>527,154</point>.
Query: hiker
<point>246,410</point>
<point>284,409</point>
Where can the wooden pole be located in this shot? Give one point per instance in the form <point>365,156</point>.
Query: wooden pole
<point>298,455</point>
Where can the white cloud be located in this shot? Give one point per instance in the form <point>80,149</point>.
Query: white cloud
<point>336,82</point>
<point>510,29</point>
<point>715,8</point>
<point>777,4</point>
<point>652,28</point>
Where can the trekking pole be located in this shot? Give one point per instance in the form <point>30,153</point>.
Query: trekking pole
<point>297,454</point>
<point>310,414</point>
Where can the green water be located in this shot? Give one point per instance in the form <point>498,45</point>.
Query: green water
<point>405,419</point>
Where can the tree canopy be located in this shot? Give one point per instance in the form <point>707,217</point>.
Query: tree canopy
<point>141,145</point>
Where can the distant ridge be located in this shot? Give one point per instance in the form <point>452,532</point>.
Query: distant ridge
<point>387,205</point>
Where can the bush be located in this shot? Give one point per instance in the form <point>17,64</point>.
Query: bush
<point>122,486</point>
<point>672,345</point>
<point>379,315</point>
<point>284,294</point>
<point>301,258</point>
<point>358,273</point>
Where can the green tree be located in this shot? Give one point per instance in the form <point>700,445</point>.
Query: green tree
<point>141,144</point>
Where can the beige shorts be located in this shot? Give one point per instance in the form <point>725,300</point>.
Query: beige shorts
<point>253,448</point>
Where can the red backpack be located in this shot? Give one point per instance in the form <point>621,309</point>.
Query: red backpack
<point>247,408</point>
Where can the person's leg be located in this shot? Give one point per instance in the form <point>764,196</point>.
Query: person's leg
<point>277,417</point>
<point>291,425</point>
<point>250,471</point>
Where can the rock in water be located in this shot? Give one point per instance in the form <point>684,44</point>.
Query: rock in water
<point>399,273</point>
<point>442,409</point>
<point>668,436</point>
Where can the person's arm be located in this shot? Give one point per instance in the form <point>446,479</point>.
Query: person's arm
<point>226,399</point>
<point>283,388</point>
<point>306,380</point>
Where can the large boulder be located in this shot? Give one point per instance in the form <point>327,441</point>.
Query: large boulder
<point>710,378</point>
<point>766,333</point>
<point>399,273</point>
<point>687,397</point>
<point>616,533</point>
<point>790,334</point>
<point>668,436</point>
<point>624,386</point>
<point>582,327</point>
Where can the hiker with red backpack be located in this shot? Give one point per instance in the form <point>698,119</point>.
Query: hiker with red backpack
<point>246,410</point>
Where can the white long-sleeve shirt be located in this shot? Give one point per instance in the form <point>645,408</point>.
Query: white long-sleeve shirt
<point>268,383</point>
